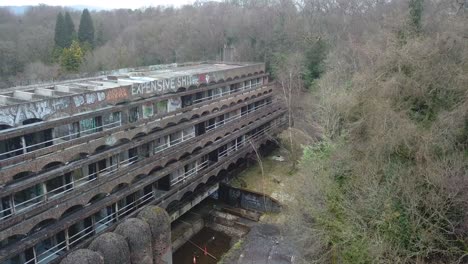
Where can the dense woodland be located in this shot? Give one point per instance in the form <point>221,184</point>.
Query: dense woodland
<point>127,38</point>
<point>384,83</point>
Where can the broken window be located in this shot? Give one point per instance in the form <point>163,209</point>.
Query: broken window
<point>5,207</point>
<point>103,219</point>
<point>51,248</point>
<point>90,125</point>
<point>111,120</point>
<point>148,110</point>
<point>161,107</point>
<point>80,231</point>
<point>28,197</point>
<point>58,185</point>
<point>187,100</point>
<point>133,114</point>
<point>37,140</point>
<point>10,147</point>
<point>63,133</point>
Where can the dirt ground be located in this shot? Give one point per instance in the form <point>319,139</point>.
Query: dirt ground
<point>265,242</point>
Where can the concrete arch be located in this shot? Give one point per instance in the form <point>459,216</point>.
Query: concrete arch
<point>196,149</point>
<point>211,179</point>
<point>183,156</point>
<point>192,87</point>
<point>101,148</point>
<point>139,135</point>
<point>186,195</point>
<point>170,124</point>
<point>205,113</point>
<point>4,126</point>
<point>170,162</point>
<point>181,89</point>
<point>172,205</point>
<point>41,225</point>
<point>224,107</point>
<point>155,169</point>
<point>216,109</point>
<point>182,120</point>
<point>195,116</point>
<point>23,175</point>
<point>52,165</point>
<point>79,156</point>
<point>199,187</point>
<point>71,210</point>
<point>31,121</point>
<point>138,178</point>
<point>119,187</point>
<point>96,198</point>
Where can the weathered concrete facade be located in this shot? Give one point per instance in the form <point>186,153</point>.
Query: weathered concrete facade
<point>78,157</point>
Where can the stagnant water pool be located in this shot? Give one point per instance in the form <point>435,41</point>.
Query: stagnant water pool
<point>216,243</point>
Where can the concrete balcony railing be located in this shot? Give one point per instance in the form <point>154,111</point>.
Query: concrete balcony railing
<point>113,135</point>
<point>28,219</point>
<point>161,198</point>
<point>54,144</point>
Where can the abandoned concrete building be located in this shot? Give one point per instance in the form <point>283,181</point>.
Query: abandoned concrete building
<point>79,156</point>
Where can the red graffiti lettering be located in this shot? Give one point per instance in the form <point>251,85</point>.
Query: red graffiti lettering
<point>116,94</point>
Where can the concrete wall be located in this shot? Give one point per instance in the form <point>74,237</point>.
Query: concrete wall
<point>249,200</point>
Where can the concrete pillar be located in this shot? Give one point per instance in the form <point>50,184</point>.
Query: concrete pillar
<point>83,256</point>
<point>160,226</point>
<point>138,235</point>
<point>113,247</point>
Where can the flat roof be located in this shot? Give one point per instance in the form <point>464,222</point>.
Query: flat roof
<point>114,79</point>
<point>66,98</point>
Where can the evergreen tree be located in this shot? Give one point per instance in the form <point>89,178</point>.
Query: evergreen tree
<point>100,35</point>
<point>416,10</point>
<point>70,32</point>
<point>315,57</point>
<point>60,32</point>
<point>86,29</point>
<point>72,57</point>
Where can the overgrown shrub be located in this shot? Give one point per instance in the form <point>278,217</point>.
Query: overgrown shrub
<point>389,184</point>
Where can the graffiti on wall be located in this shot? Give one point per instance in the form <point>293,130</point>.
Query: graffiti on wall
<point>164,85</point>
<point>117,94</point>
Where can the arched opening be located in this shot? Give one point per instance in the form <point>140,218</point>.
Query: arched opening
<point>139,135</point>
<point>119,187</point>
<point>71,210</point>
<point>173,206</point>
<point>23,175</point>
<point>79,156</point>
<point>101,148</point>
<point>42,225</point>
<point>52,165</point>
<point>97,198</point>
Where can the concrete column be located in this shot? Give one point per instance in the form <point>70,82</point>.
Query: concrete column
<point>138,235</point>
<point>113,247</point>
<point>160,226</point>
<point>83,256</point>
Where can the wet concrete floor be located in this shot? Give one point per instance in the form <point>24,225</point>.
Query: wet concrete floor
<point>216,243</point>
